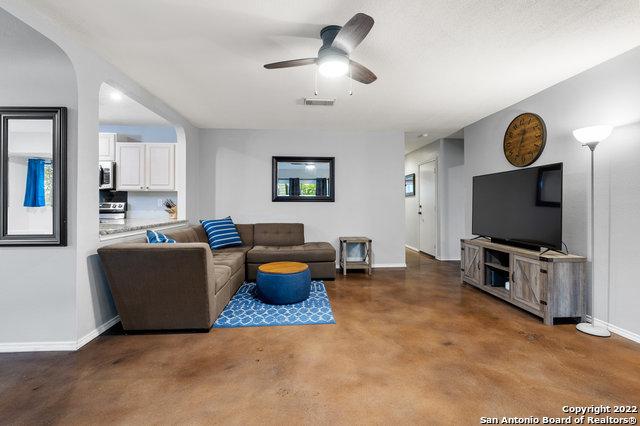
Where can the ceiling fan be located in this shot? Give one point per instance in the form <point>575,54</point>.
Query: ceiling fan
<point>337,44</point>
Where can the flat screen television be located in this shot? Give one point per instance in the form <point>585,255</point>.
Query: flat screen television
<point>520,207</point>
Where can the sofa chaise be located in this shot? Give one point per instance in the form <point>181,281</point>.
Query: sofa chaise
<point>187,285</point>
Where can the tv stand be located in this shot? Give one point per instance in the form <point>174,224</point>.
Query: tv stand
<point>515,244</point>
<point>550,284</point>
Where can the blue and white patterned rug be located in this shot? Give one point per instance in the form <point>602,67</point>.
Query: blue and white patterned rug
<point>246,310</point>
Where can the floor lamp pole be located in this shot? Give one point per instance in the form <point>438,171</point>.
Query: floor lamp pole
<point>585,327</point>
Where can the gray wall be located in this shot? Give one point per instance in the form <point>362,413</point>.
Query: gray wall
<point>37,290</point>
<point>235,170</point>
<point>606,94</point>
<point>87,304</point>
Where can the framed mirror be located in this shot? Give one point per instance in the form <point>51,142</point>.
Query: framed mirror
<point>33,174</point>
<point>303,179</point>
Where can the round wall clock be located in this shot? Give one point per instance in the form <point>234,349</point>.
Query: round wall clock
<point>524,139</point>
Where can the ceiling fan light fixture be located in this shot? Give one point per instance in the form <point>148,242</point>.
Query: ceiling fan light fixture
<point>333,65</point>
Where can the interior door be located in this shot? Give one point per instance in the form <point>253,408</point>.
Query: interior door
<point>130,167</point>
<point>160,166</point>
<point>427,212</point>
<point>528,283</point>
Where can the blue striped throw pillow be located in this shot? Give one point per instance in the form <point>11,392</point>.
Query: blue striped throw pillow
<point>155,237</point>
<point>221,233</point>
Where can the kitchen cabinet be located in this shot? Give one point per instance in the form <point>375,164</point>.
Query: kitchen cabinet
<point>145,166</point>
<point>160,166</point>
<point>107,146</point>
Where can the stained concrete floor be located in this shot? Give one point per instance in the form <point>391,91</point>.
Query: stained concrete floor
<point>410,346</point>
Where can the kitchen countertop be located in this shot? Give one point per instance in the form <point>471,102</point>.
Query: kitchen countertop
<point>132,225</point>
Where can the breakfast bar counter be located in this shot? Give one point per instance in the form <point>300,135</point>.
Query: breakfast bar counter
<point>138,226</point>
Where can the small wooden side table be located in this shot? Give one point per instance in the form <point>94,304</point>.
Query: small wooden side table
<point>364,263</point>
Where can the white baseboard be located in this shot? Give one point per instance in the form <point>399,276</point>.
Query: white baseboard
<point>449,259</point>
<point>97,331</point>
<point>412,248</point>
<point>389,265</point>
<point>617,330</point>
<point>38,346</point>
<point>58,346</point>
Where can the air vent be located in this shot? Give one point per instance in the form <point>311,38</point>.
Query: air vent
<point>319,101</point>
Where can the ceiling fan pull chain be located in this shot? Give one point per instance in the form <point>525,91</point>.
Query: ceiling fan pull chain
<point>350,82</point>
<point>315,83</point>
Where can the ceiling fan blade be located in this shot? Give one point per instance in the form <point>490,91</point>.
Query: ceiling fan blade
<point>291,63</point>
<point>361,73</point>
<point>353,32</point>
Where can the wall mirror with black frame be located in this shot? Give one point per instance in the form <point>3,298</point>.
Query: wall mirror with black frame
<point>33,176</point>
<point>303,179</point>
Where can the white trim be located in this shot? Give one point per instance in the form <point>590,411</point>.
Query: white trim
<point>617,330</point>
<point>59,346</point>
<point>97,331</point>
<point>389,265</point>
<point>37,346</point>
<point>442,259</point>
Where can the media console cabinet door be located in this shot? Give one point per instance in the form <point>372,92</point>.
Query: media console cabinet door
<point>528,286</point>
<point>472,263</point>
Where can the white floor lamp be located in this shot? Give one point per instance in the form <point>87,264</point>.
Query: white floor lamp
<point>591,137</point>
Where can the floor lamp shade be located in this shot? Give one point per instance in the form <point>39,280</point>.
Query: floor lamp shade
<point>592,134</point>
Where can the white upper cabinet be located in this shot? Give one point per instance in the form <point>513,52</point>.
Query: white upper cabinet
<point>130,166</point>
<point>160,166</point>
<point>145,166</point>
<point>106,147</point>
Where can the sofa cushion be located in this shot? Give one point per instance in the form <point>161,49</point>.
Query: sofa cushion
<point>201,235</point>
<point>184,235</point>
<point>238,249</point>
<point>246,233</point>
<point>309,252</point>
<point>221,233</point>
<point>278,234</point>
<point>234,260</point>
<point>155,237</point>
<point>222,273</point>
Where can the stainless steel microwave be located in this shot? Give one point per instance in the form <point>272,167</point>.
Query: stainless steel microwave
<point>107,175</point>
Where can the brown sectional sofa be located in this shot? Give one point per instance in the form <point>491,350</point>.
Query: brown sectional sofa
<point>187,285</point>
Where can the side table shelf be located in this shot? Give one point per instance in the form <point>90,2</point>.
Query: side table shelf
<point>364,262</point>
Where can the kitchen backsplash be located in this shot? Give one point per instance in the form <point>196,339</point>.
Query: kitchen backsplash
<point>149,204</point>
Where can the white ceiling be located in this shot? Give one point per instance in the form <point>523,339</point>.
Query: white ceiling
<point>125,111</point>
<point>441,64</point>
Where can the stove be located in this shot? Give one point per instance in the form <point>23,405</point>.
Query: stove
<point>113,212</point>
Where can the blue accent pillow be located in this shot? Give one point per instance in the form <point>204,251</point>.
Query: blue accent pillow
<point>221,233</point>
<point>155,237</point>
